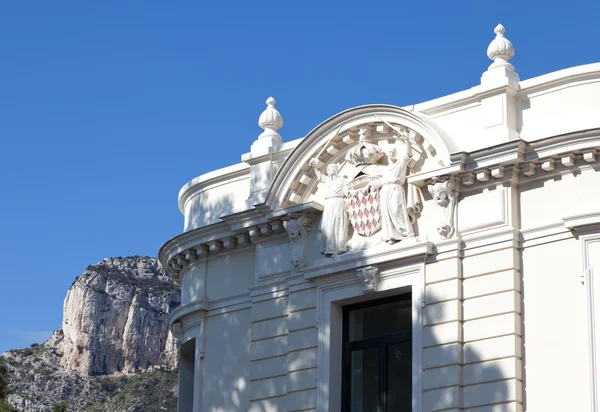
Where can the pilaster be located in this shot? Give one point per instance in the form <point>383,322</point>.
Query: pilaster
<point>492,351</point>
<point>284,346</point>
<point>443,335</point>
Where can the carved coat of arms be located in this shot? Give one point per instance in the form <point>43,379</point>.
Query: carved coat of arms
<point>375,198</point>
<point>363,205</point>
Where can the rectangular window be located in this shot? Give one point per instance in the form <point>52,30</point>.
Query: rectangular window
<point>377,350</point>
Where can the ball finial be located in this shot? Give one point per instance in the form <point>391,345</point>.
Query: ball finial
<point>500,49</point>
<point>270,120</point>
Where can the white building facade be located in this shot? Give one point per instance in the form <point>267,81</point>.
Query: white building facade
<point>436,257</point>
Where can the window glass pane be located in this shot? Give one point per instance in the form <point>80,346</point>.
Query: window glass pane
<point>399,377</point>
<point>380,320</point>
<point>364,380</point>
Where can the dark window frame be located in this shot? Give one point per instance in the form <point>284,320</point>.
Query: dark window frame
<point>380,342</point>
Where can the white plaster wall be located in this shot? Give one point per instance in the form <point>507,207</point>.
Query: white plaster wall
<point>547,201</point>
<point>562,109</point>
<point>464,123</point>
<point>193,283</point>
<point>494,202</point>
<point>556,346</point>
<point>231,274</point>
<point>274,258</point>
<point>227,363</point>
<point>209,205</point>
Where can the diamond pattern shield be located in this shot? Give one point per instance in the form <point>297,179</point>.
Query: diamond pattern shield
<point>365,216</point>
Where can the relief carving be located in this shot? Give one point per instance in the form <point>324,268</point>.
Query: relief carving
<point>297,225</point>
<point>375,199</point>
<point>444,193</point>
<point>334,222</point>
<point>368,277</point>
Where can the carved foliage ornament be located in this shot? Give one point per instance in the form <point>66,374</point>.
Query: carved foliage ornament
<point>297,226</point>
<point>368,277</point>
<point>444,193</point>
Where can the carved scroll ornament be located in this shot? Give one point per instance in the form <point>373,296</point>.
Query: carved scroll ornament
<point>368,277</point>
<point>297,227</point>
<point>444,193</point>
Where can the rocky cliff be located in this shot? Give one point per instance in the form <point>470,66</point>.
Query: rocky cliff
<point>115,325</point>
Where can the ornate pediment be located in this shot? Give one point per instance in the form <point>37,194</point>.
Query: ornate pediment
<point>366,197</point>
<point>346,161</point>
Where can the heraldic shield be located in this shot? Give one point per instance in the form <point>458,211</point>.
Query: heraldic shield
<point>363,205</point>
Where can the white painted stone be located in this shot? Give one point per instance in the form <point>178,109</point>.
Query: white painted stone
<point>302,319</point>
<point>499,407</point>
<point>493,202</point>
<point>302,380</point>
<point>492,283</point>
<point>508,323</point>
<point>443,291</point>
<point>442,355</point>
<point>443,270</point>
<point>268,348</point>
<point>443,333</point>
<point>442,312</point>
<point>267,388</point>
<point>492,370</point>
<point>302,359</point>
<point>496,261</point>
<point>441,377</point>
<point>493,348</point>
<point>275,404</point>
<point>269,328</point>
<point>301,400</point>
<point>269,309</point>
<point>303,299</point>
<point>265,368</point>
<point>302,339</point>
<point>493,392</point>
<point>441,399</point>
<point>491,305</point>
<point>274,260</point>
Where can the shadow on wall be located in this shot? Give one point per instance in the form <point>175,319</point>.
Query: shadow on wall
<point>205,209</point>
<point>453,372</point>
<point>484,381</point>
<point>457,375</point>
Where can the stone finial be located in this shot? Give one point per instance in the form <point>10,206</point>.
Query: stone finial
<point>500,50</point>
<point>271,121</point>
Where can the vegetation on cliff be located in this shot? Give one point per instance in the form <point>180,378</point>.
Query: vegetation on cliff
<point>114,351</point>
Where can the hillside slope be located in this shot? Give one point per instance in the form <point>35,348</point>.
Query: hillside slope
<point>114,342</point>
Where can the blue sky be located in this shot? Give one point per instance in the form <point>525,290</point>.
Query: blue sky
<point>108,107</point>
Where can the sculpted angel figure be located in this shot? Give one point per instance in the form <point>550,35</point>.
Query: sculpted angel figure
<point>335,220</point>
<point>395,221</point>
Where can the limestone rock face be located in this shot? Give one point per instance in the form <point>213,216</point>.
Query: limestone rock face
<point>115,318</point>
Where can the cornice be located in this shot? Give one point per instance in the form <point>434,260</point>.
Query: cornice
<point>236,231</point>
<point>582,221</point>
<point>445,104</point>
<point>559,77</point>
<point>520,161</point>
